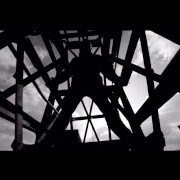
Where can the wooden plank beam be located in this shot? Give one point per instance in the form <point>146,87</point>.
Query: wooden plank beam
<point>19,99</point>
<point>11,107</point>
<point>126,71</point>
<point>11,117</point>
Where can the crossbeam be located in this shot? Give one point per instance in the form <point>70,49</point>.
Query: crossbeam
<point>163,92</point>
<point>34,82</point>
<point>8,115</point>
<point>133,67</point>
<point>4,103</point>
<point>126,71</point>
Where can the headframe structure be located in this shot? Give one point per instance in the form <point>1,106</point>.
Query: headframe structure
<point>157,96</point>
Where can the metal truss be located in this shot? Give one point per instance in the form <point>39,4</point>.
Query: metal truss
<point>157,97</point>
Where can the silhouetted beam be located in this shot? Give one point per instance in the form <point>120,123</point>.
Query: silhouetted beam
<point>19,99</point>
<point>11,90</point>
<point>133,67</point>
<point>34,82</point>
<point>30,51</point>
<point>126,71</point>
<point>56,39</point>
<point>109,89</point>
<point>73,119</point>
<point>150,82</point>
<point>124,112</point>
<point>82,33</point>
<point>168,87</point>
<point>68,84</point>
<point>47,125</point>
<point>86,118</point>
<point>7,115</point>
<point>11,117</point>
<point>129,114</point>
<point>116,47</point>
<point>11,107</point>
<point>7,37</point>
<point>89,121</point>
<point>48,46</point>
<point>47,117</point>
<point>172,35</point>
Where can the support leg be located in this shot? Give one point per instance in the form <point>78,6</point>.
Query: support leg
<point>111,115</point>
<point>70,103</point>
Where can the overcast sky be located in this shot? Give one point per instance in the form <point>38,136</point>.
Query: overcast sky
<point>161,52</point>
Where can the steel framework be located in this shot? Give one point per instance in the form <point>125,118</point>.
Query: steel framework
<point>157,96</point>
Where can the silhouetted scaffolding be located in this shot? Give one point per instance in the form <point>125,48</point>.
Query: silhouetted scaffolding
<point>157,96</point>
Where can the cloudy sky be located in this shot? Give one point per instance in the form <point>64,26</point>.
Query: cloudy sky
<point>161,52</point>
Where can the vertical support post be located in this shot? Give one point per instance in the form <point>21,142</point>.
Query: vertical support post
<point>19,99</point>
<point>69,86</point>
<point>150,83</point>
<point>109,131</point>
<point>158,138</point>
<point>105,52</point>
